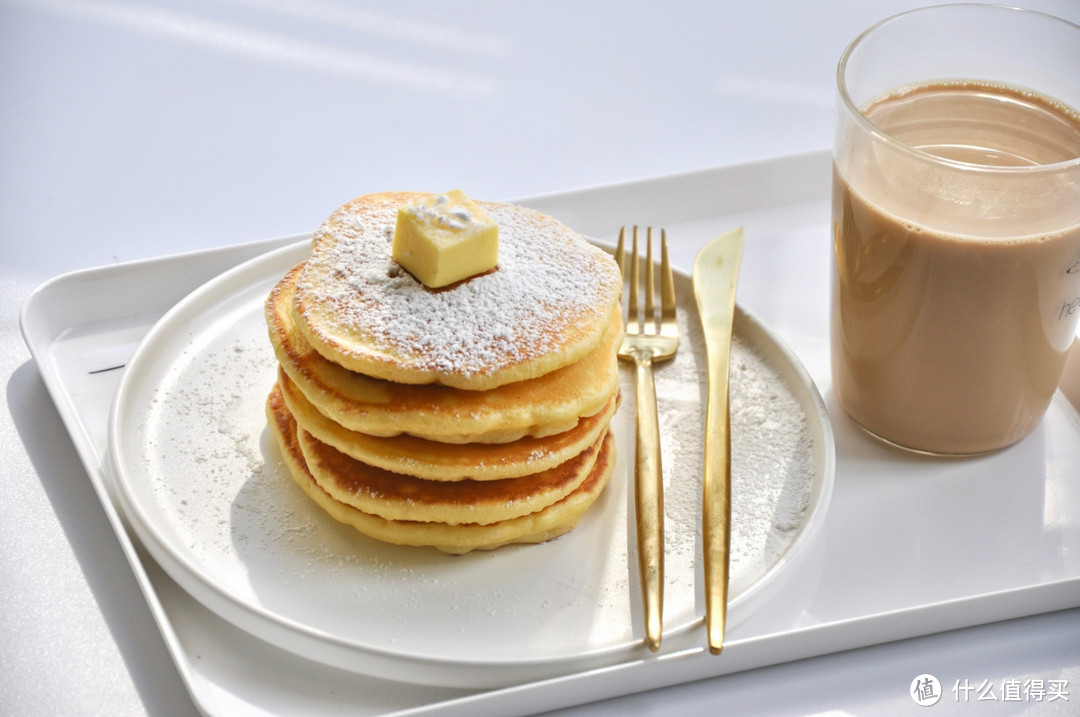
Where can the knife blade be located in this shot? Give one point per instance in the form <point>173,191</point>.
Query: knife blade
<point>715,277</point>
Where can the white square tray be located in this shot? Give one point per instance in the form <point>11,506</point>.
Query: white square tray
<point>911,545</point>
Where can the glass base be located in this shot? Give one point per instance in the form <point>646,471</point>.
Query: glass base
<point>935,454</point>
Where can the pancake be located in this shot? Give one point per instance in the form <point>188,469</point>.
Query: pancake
<point>551,522</point>
<point>547,304</point>
<point>400,497</point>
<point>444,461</point>
<point>543,406</point>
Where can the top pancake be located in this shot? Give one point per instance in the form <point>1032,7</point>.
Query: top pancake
<point>542,406</point>
<point>546,305</point>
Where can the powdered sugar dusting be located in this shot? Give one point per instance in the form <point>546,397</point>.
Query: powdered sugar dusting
<point>548,280</point>
<point>771,457</point>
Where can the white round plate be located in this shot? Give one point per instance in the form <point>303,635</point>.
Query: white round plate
<point>201,483</point>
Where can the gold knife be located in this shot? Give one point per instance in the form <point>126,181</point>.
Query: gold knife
<point>716,273</point>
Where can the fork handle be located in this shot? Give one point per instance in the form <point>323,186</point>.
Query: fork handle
<point>649,499</point>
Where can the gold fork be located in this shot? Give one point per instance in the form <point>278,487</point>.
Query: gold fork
<point>649,339</point>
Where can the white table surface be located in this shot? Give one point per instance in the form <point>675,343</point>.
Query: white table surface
<point>132,130</point>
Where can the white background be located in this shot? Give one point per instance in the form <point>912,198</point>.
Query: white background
<point>132,130</point>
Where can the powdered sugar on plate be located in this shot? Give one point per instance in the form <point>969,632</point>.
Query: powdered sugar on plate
<point>771,455</point>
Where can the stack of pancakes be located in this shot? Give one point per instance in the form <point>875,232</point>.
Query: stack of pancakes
<point>463,418</point>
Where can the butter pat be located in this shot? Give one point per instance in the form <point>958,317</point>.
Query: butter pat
<point>445,238</point>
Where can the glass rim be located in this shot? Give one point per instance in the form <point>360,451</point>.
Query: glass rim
<point>860,119</point>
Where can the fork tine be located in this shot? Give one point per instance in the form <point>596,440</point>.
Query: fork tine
<point>635,277</point>
<point>650,283</point>
<point>620,251</point>
<point>668,324</point>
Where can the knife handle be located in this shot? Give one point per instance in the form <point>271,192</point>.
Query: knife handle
<point>716,520</point>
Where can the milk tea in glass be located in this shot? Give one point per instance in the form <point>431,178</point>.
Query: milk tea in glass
<point>956,225</point>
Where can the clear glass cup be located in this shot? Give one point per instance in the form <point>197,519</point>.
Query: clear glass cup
<point>956,224</point>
